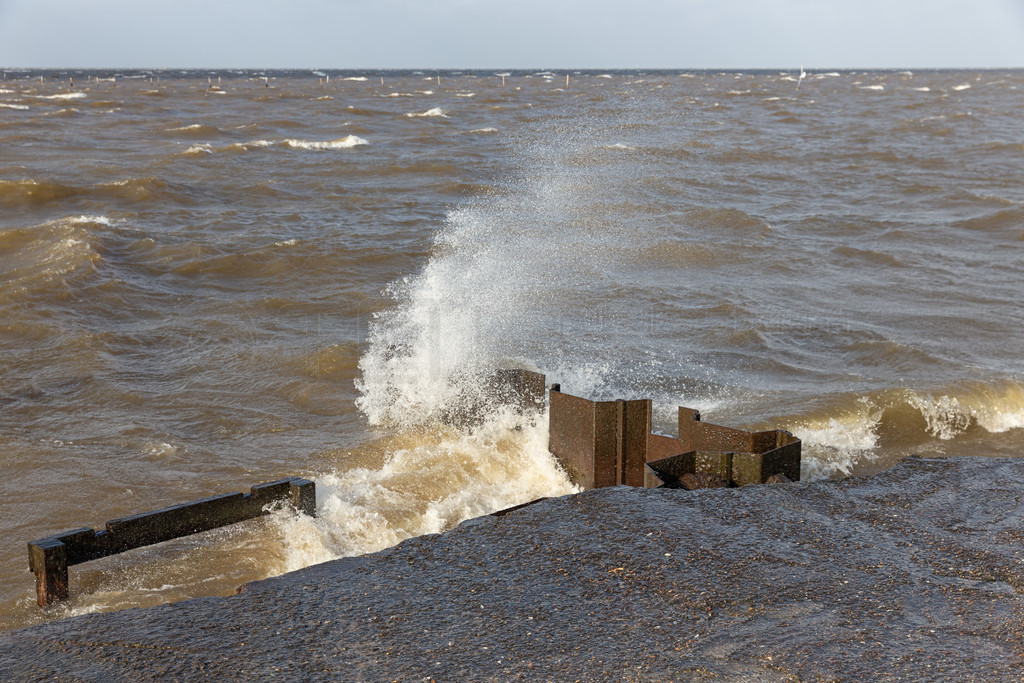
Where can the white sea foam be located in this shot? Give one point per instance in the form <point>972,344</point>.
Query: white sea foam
<point>14,106</point>
<point>426,484</point>
<point>346,142</point>
<point>199,149</point>
<point>835,444</point>
<point>996,408</point>
<point>962,86</point>
<point>193,126</point>
<point>923,88</point>
<point>943,414</point>
<point>62,96</point>
<point>873,87</point>
<point>89,219</point>
<point>484,130</point>
<point>465,94</point>
<point>355,78</point>
<point>436,111</point>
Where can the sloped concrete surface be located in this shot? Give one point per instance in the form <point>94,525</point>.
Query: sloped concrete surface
<point>912,574</point>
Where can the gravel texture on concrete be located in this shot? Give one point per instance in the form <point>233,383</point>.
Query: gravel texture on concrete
<point>912,574</point>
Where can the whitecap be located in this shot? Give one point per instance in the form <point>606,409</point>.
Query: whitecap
<point>365,510</point>
<point>62,96</point>
<point>14,106</point>
<point>195,150</point>
<point>436,111</point>
<point>484,130</point>
<point>340,143</point>
<point>872,87</point>
<point>355,78</point>
<point>962,86</point>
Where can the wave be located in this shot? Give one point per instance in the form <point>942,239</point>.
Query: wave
<point>37,257</point>
<point>40,192</point>
<point>484,130</point>
<point>346,142</point>
<point>196,129</point>
<point>419,483</point>
<point>20,107</point>
<point>341,143</point>
<point>435,112</point>
<point>62,96</point>
<point>849,430</point>
<point>996,221</point>
<point>198,150</point>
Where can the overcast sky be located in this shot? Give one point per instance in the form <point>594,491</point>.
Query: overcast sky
<point>512,33</point>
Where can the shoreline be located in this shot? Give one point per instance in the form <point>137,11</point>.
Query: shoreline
<point>913,572</point>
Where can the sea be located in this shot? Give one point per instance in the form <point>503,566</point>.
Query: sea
<point>211,279</point>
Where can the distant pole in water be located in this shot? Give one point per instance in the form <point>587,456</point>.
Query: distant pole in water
<point>266,81</point>
<point>802,76</point>
<point>438,80</point>
<point>503,80</point>
<point>328,79</point>
<point>382,81</point>
<point>566,81</point>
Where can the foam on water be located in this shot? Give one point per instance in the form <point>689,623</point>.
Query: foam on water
<point>428,482</point>
<point>62,96</point>
<point>436,111</point>
<point>346,142</point>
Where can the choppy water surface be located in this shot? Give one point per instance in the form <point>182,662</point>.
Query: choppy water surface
<point>212,280</point>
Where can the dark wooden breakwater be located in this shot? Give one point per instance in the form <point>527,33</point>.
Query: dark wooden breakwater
<point>611,443</point>
<point>50,557</point>
<point>599,443</point>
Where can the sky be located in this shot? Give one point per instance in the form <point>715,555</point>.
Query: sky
<point>447,34</point>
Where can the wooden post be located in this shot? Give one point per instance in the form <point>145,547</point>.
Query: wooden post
<point>48,560</point>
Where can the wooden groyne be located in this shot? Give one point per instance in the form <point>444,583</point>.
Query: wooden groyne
<point>611,443</point>
<point>598,443</point>
<point>50,557</point>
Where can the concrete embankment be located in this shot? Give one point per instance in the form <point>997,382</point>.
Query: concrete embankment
<point>913,574</point>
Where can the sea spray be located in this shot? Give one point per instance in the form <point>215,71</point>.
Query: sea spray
<point>428,481</point>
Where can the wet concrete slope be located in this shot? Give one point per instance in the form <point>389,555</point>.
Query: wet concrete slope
<point>914,574</point>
